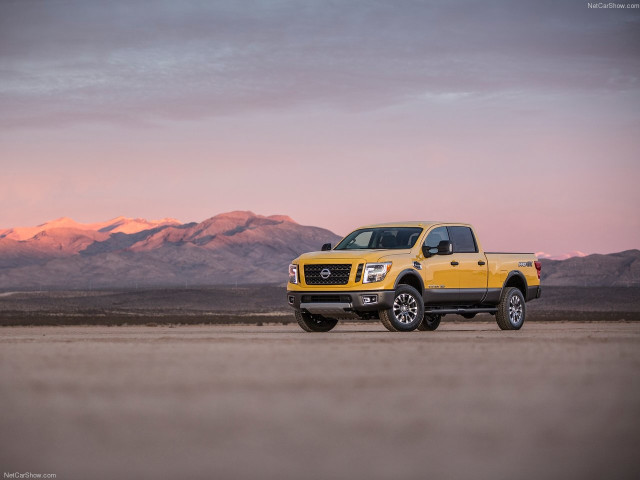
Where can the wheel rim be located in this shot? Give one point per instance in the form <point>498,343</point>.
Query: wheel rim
<point>405,308</point>
<point>515,309</point>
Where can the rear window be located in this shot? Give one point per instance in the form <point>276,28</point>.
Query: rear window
<point>462,239</point>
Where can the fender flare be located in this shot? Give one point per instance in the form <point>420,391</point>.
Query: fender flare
<point>413,273</point>
<point>520,275</point>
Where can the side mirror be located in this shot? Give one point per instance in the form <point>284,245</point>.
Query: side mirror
<point>326,246</point>
<point>445,247</point>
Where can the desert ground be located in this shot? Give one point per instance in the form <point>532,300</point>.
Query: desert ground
<point>556,400</point>
<point>260,303</point>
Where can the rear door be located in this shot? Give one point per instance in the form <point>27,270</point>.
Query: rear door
<point>470,263</point>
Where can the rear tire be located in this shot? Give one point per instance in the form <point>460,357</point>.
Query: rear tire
<point>511,309</point>
<point>314,323</point>
<point>407,311</point>
<point>430,322</point>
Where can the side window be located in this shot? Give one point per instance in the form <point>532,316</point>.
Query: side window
<point>462,239</point>
<point>435,237</point>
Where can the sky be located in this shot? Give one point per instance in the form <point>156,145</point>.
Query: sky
<point>522,118</point>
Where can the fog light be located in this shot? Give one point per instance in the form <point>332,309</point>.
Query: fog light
<point>369,299</point>
<point>291,299</point>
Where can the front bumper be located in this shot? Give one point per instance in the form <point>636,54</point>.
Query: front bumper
<point>339,302</point>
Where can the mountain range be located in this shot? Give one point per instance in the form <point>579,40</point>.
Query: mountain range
<point>234,247</point>
<point>620,269</point>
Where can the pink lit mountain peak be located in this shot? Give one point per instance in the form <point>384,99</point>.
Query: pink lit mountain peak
<point>562,256</point>
<point>118,224</point>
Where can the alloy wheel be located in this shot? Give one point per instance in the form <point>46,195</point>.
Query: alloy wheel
<point>405,308</point>
<point>515,309</point>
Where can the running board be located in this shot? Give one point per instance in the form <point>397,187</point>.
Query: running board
<point>460,311</point>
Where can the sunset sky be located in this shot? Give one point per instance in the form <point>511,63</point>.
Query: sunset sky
<point>522,118</point>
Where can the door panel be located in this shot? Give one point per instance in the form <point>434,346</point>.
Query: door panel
<point>473,277</point>
<point>441,280</point>
<point>472,266</point>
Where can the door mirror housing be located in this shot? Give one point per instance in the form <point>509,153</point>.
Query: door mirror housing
<point>326,246</point>
<point>445,247</point>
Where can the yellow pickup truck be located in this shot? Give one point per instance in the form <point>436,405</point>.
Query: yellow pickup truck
<point>409,275</point>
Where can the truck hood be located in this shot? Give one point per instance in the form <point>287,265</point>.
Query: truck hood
<point>353,255</point>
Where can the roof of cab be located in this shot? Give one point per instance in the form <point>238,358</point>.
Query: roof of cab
<point>425,223</point>
<point>422,224</point>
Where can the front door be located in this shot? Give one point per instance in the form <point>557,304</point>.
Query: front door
<point>441,279</point>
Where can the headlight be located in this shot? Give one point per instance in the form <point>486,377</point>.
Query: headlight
<point>375,272</point>
<point>293,273</point>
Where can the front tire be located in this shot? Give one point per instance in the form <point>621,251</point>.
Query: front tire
<point>407,311</point>
<point>314,323</point>
<point>511,309</point>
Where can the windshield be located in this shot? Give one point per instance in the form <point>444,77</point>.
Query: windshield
<point>394,238</point>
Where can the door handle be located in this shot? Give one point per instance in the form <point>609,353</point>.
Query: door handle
<point>454,263</point>
<point>481,262</point>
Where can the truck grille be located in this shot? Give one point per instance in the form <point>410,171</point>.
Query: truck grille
<point>359,272</point>
<point>339,274</point>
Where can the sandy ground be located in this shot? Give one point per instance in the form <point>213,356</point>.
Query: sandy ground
<point>553,401</point>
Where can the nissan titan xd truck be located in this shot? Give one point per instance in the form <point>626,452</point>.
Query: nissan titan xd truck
<point>409,275</point>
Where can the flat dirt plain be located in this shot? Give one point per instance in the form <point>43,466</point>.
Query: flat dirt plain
<point>556,400</point>
<point>260,303</point>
